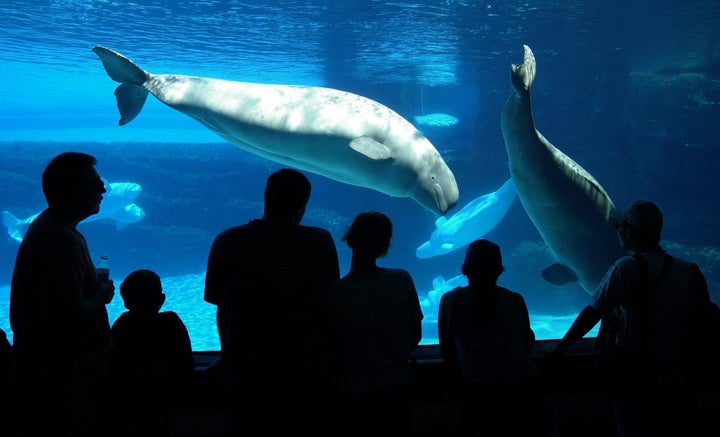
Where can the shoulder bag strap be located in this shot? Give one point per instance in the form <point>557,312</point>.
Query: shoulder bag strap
<point>648,288</point>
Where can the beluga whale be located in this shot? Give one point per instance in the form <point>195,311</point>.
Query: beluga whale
<point>343,136</point>
<point>117,205</point>
<point>570,209</point>
<point>480,216</point>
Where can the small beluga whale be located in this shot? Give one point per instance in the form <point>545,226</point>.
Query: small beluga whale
<point>117,205</point>
<point>437,119</point>
<point>337,134</point>
<point>440,286</point>
<point>568,206</point>
<point>480,216</point>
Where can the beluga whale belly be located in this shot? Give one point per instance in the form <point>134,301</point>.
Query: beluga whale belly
<point>340,135</point>
<point>570,209</point>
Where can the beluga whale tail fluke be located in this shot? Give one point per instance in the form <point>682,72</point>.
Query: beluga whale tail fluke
<point>130,95</point>
<point>568,206</point>
<point>343,136</point>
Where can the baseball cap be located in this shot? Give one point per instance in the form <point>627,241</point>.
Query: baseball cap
<point>644,216</point>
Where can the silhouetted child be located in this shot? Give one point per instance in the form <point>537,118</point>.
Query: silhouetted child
<point>151,357</point>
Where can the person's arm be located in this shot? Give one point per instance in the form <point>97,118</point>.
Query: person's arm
<point>417,314</point>
<point>214,285</point>
<point>181,343</point>
<point>70,279</point>
<point>583,323</point>
<point>103,295</point>
<point>528,333</point>
<point>446,334</point>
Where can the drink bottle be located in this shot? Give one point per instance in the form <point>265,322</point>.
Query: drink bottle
<point>103,268</point>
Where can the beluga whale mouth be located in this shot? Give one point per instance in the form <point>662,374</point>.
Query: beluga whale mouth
<point>568,206</point>
<point>343,136</point>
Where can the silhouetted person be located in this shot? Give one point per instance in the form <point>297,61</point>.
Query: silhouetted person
<point>151,360</point>
<point>270,279</point>
<point>655,311</point>
<point>61,332</point>
<point>485,341</point>
<point>379,317</point>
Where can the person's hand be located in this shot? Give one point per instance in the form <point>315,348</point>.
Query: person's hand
<point>107,290</point>
<point>553,349</point>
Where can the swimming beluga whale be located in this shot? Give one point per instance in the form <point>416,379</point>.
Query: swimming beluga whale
<point>570,209</point>
<point>117,205</point>
<point>340,135</point>
<point>480,216</point>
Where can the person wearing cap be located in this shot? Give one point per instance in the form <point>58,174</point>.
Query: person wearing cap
<point>485,341</point>
<point>652,295</point>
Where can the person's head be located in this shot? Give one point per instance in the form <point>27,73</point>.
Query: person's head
<point>141,291</point>
<point>641,225</point>
<point>483,262</point>
<point>369,234</point>
<point>286,194</point>
<point>72,186</point>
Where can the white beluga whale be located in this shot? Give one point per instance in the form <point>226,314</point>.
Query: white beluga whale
<point>340,135</point>
<point>117,205</point>
<point>570,209</point>
<point>480,216</point>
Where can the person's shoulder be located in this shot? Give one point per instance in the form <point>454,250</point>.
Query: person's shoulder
<point>402,274</point>
<point>170,317</point>
<point>625,260</point>
<point>321,237</point>
<point>390,271</point>
<point>234,230</point>
<point>122,320</point>
<point>229,237</point>
<point>510,293</point>
<point>314,230</point>
<point>49,233</point>
<point>624,263</point>
<point>452,293</point>
<point>683,262</point>
<point>507,291</point>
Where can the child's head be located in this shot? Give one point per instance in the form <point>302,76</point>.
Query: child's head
<point>142,291</point>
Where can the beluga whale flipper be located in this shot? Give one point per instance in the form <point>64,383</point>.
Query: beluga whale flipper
<point>570,209</point>
<point>340,135</point>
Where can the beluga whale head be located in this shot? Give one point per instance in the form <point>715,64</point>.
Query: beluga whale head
<point>436,188</point>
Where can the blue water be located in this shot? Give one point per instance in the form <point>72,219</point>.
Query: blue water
<point>630,91</point>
